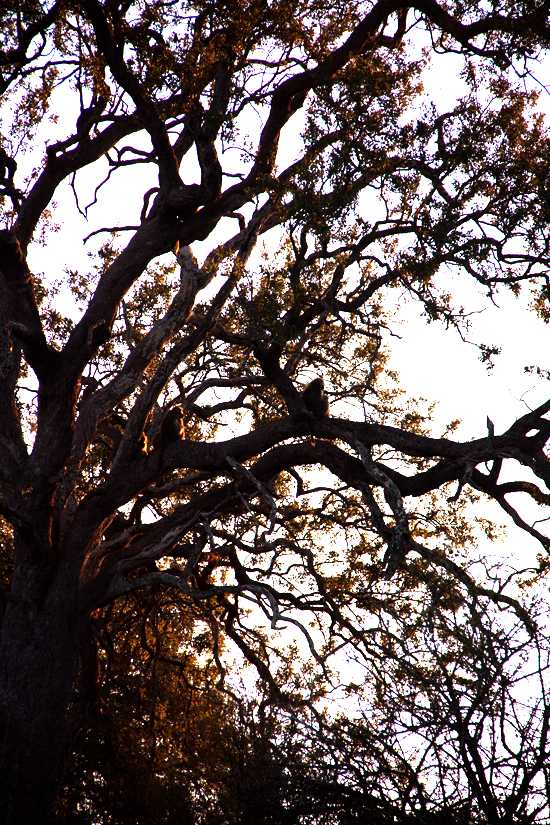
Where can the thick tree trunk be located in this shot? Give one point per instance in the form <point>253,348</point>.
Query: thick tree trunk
<point>38,661</point>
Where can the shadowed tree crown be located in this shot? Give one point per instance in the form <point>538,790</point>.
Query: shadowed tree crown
<point>248,192</point>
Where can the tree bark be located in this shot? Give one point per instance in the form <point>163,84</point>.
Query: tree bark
<point>38,664</point>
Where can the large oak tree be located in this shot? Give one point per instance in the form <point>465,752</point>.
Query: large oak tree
<point>304,125</point>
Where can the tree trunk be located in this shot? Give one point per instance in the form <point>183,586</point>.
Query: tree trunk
<point>38,662</point>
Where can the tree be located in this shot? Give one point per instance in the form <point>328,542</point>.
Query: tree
<point>154,721</point>
<point>454,719</point>
<point>370,197</point>
<point>451,725</point>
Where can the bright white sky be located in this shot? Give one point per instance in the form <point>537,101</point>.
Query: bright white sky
<point>437,364</point>
<point>432,362</point>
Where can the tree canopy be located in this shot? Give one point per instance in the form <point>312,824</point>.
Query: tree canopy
<point>255,188</point>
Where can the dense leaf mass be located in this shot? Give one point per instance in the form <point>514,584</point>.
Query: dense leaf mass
<point>246,195</point>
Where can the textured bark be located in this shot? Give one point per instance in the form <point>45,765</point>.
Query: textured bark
<point>38,661</point>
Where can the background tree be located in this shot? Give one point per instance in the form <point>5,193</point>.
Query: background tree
<point>379,194</point>
<point>449,723</point>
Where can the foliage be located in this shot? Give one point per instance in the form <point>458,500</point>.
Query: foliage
<point>259,188</point>
<point>450,724</point>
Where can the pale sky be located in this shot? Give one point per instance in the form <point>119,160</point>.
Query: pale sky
<point>432,362</point>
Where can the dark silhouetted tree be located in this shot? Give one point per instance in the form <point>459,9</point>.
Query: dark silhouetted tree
<point>223,126</point>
